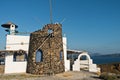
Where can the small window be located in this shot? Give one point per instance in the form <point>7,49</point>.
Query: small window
<point>2,58</point>
<point>20,57</point>
<point>39,56</point>
<point>61,55</point>
<point>50,31</point>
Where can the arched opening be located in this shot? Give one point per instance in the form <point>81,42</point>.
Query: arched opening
<point>82,63</point>
<point>83,57</point>
<point>39,56</point>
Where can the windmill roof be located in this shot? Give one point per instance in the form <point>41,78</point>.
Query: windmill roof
<point>7,25</point>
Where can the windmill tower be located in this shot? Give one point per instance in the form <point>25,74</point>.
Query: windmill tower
<point>10,28</point>
<point>46,55</point>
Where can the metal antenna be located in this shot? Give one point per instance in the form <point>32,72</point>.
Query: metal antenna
<point>50,1</point>
<point>62,21</point>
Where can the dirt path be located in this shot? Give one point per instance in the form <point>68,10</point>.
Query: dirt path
<point>82,75</point>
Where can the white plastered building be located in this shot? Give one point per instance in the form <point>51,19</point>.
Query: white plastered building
<point>15,42</point>
<point>18,42</point>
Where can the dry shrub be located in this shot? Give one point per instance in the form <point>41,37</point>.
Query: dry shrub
<point>108,76</point>
<point>98,73</point>
<point>67,75</point>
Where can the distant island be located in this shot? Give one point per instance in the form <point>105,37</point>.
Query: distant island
<point>106,55</point>
<point>112,55</point>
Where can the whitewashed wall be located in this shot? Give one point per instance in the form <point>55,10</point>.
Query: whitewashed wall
<point>16,42</point>
<point>78,64</point>
<point>66,62</point>
<point>14,67</point>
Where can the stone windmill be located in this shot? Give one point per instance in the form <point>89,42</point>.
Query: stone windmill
<point>46,50</point>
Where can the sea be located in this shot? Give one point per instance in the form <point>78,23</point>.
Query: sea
<point>105,59</point>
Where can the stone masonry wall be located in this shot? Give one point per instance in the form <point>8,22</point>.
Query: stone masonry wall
<point>49,41</point>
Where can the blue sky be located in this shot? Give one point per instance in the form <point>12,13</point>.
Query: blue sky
<point>91,25</point>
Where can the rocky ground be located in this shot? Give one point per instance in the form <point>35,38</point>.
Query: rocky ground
<point>82,75</point>
<point>110,71</point>
<point>112,68</point>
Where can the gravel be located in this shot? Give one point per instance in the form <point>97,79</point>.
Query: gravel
<point>71,75</point>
